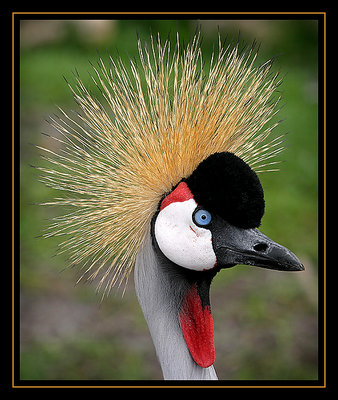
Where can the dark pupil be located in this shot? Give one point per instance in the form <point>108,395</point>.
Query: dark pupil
<point>203,216</point>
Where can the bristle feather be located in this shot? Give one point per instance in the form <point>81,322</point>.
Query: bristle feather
<point>161,118</point>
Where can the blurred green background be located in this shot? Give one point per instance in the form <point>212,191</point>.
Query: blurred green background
<point>265,321</point>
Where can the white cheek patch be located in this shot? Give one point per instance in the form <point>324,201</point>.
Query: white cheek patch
<point>181,240</point>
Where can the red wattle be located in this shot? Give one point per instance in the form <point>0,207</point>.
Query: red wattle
<point>198,328</point>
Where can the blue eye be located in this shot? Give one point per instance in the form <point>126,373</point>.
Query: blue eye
<point>202,217</point>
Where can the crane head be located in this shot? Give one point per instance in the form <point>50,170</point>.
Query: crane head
<point>210,219</point>
<point>208,222</point>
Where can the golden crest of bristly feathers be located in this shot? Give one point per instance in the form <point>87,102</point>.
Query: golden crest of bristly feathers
<point>152,123</point>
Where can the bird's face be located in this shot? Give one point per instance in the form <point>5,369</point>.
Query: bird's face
<point>193,235</point>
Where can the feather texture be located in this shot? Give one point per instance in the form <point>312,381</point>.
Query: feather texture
<point>153,122</point>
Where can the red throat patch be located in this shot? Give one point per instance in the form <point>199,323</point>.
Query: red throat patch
<point>198,328</point>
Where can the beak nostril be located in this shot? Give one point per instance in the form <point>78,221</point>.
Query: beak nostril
<point>261,247</point>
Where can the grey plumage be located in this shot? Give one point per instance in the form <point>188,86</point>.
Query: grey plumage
<point>159,294</point>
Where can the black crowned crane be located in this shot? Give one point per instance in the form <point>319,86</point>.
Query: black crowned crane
<point>160,174</point>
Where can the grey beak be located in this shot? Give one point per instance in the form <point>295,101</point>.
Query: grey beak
<point>234,245</point>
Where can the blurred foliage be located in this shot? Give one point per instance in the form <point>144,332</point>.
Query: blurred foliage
<point>265,322</point>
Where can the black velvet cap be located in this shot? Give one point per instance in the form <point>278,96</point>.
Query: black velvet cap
<point>225,185</point>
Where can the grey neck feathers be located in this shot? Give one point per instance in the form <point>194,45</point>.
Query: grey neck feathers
<point>159,295</point>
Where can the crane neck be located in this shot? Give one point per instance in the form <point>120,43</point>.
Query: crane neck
<point>161,286</point>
